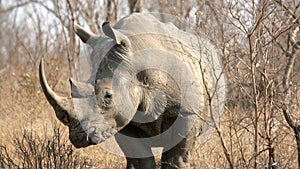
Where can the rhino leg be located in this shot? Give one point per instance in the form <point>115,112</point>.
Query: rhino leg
<point>133,148</point>
<point>177,157</point>
<point>140,163</point>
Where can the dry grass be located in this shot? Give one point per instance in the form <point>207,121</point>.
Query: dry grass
<point>31,136</point>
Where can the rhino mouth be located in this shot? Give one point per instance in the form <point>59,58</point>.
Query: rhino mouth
<point>96,137</point>
<point>83,136</point>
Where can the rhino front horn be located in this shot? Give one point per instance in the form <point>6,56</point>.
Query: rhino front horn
<point>61,105</point>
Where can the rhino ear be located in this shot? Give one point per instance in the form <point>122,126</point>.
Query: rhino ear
<point>119,38</point>
<point>86,36</point>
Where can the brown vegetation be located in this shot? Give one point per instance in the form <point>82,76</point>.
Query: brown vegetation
<point>259,41</point>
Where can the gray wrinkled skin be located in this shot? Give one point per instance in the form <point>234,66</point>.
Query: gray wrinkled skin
<point>150,81</point>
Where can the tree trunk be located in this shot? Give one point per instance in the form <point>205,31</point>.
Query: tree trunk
<point>136,5</point>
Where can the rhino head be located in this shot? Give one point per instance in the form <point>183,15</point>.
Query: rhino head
<point>90,113</point>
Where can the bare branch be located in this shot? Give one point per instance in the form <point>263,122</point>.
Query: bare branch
<point>288,10</point>
<point>9,9</point>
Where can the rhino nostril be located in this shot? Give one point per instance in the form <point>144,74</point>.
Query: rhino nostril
<point>92,136</point>
<point>90,141</point>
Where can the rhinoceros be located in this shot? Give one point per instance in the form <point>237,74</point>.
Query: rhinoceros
<point>151,85</point>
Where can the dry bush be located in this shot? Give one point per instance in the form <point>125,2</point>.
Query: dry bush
<point>31,150</point>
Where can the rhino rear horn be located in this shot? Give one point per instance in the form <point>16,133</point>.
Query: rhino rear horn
<point>80,89</point>
<point>85,35</point>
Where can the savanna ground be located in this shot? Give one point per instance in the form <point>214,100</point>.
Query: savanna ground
<point>259,42</point>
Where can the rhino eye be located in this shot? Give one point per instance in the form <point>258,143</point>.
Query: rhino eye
<point>107,97</point>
